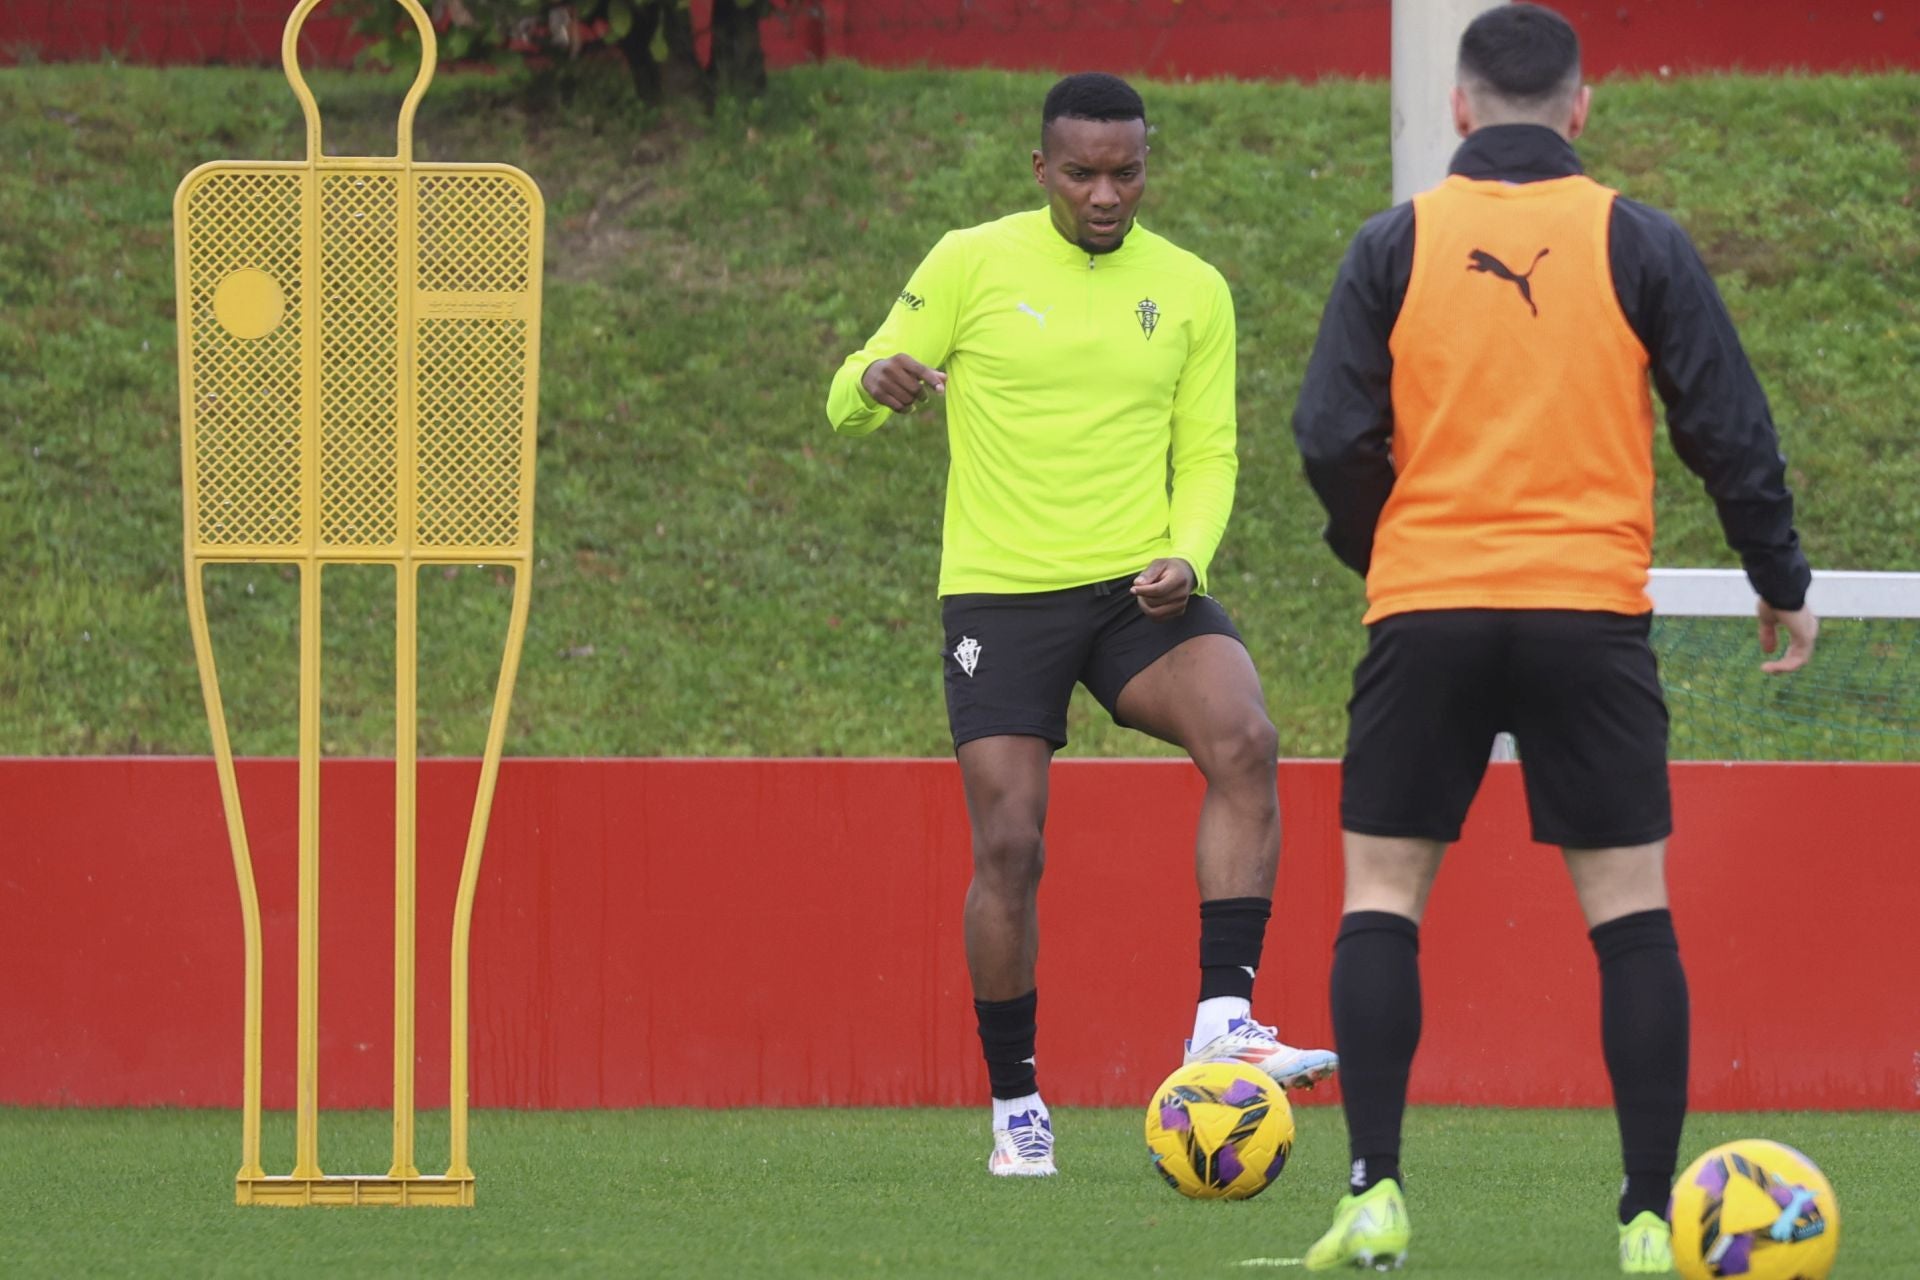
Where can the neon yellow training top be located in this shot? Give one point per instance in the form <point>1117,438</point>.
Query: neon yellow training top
<point>1074,381</point>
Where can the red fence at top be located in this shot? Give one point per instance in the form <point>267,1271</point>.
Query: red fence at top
<point>787,933</point>
<point>168,32</point>
<point>1309,39</point>
<point>1252,39</point>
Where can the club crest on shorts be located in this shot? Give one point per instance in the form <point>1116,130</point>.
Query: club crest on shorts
<point>967,654</point>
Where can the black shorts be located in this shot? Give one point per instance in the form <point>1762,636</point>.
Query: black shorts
<point>1012,660</point>
<point>1578,690</point>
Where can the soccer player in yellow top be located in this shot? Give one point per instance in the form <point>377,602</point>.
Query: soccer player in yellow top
<point>1087,367</point>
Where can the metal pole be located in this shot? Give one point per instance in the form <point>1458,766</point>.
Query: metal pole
<point>1426,42</point>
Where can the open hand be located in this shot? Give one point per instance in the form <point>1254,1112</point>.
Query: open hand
<point>1801,628</point>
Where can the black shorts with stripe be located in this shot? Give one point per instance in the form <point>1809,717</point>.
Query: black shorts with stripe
<point>1579,691</point>
<point>1012,660</point>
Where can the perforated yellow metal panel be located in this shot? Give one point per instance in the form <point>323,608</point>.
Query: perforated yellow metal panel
<point>470,372</point>
<point>360,341</point>
<point>243,236</point>
<point>359,368</point>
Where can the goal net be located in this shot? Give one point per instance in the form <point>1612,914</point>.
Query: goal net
<point>1858,699</point>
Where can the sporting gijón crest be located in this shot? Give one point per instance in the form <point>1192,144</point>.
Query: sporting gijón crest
<point>1149,316</point>
<point>967,654</point>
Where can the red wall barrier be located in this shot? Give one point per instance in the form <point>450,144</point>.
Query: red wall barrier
<point>1309,39</point>
<point>170,32</point>
<point>1252,39</point>
<point>785,932</point>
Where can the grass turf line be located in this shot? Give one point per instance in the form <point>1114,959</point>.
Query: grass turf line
<point>719,575</point>
<point>828,1193</point>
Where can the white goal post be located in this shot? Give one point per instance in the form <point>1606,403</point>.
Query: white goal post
<point>1851,597</point>
<point>1426,42</point>
<point>1835,593</point>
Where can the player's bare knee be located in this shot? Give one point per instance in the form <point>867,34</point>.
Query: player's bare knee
<point>1008,855</point>
<point>1243,750</point>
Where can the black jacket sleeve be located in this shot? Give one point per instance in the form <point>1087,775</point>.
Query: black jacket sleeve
<point>1343,422</point>
<point>1717,414</point>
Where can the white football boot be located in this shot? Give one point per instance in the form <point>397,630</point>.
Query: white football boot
<point>1024,1149</point>
<point>1253,1043</point>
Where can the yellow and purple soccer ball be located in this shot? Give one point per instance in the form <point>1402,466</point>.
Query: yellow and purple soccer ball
<point>1219,1130</point>
<point>1754,1210</point>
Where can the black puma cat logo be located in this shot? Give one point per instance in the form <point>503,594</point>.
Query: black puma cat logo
<point>1481,260</point>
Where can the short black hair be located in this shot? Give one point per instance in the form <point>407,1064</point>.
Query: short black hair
<point>1090,95</point>
<point>1525,53</point>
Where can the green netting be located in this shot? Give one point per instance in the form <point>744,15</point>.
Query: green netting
<point>1858,699</point>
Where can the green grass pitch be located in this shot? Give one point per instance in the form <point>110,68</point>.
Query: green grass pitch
<point>832,1193</point>
<point>718,574</point>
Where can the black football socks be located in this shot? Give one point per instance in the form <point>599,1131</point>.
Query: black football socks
<point>1006,1037</point>
<point>1375,989</point>
<point>1232,932</point>
<point>1644,1034</point>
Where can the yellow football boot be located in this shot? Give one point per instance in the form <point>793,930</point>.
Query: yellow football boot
<point>1646,1245</point>
<point>1369,1230</point>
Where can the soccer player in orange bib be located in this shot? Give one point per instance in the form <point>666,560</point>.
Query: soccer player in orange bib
<point>1476,420</point>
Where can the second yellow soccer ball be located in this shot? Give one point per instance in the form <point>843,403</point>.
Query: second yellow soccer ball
<point>1219,1130</point>
<point>1754,1210</point>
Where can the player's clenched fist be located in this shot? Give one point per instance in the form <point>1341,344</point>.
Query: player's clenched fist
<point>901,382</point>
<point>1164,587</point>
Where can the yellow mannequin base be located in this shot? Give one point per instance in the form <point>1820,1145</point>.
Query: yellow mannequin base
<point>351,1189</point>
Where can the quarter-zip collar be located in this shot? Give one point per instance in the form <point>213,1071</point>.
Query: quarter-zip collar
<point>1057,246</point>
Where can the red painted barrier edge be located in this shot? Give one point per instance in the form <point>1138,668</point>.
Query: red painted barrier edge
<point>756,932</point>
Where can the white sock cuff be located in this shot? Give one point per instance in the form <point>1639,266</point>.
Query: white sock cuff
<point>1213,1015</point>
<point>1004,1109</point>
